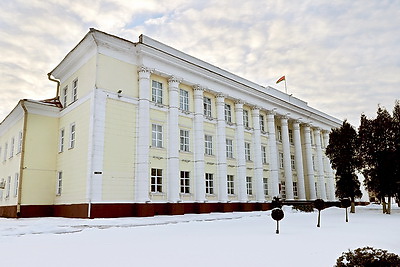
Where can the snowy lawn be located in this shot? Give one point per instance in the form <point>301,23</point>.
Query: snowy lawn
<point>217,239</point>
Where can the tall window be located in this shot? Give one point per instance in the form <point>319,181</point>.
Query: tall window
<point>245,118</point>
<point>156,92</point>
<point>247,151</point>
<point>228,113</point>
<point>229,148</point>
<point>8,187</point>
<point>65,96</point>
<point>207,106</point>
<point>16,177</point>
<point>156,135</point>
<point>59,183</point>
<point>291,136</point>
<point>279,128</point>
<point>265,183</point>
<point>264,154</point>
<point>283,189</point>
<point>72,135</point>
<point>75,90</point>
<point>313,162</point>
<point>280,160</point>
<point>61,141</point>
<point>262,125</point>
<point>311,137</point>
<point>12,147</point>
<point>295,189</point>
<point>184,100</point>
<point>184,140</point>
<point>5,151</point>
<point>156,180</point>
<point>209,183</point>
<point>292,162</point>
<point>231,184</point>
<point>208,145</point>
<point>19,148</point>
<point>185,182</point>
<point>249,186</point>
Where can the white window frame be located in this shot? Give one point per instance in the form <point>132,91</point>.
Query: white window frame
<point>75,90</point>
<point>208,145</point>
<point>291,136</point>
<point>72,135</point>
<point>207,107</point>
<point>230,179</point>
<point>295,191</point>
<point>229,148</point>
<point>19,147</point>
<point>264,154</point>
<point>262,124</point>
<point>292,162</point>
<point>59,183</point>
<point>228,113</point>
<point>249,185</point>
<point>246,118</point>
<point>16,181</point>
<point>156,180</point>
<point>184,140</point>
<point>61,140</point>
<point>8,187</point>
<point>265,186</point>
<point>283,189</point>
<point>156,135</point>
<point>281,160</point>
<point>156,92</point>
<point>247,151</point>
<point>5,151</point>
<point>279,131</point>
<point>184,100</point>
<point>12,143</point>
<point>185,182</point>
<point>65,96</point>
<point>209,178</point>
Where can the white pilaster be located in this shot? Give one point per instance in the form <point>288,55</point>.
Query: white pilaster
<point>258,165</point>
<point>199,175</point>
<point>241,159</point>
<point>143,140</point>
<point>320,165</point>
<point>221,153</point>
<point>309,163</point>
<point>329,171</point>
<point>173,141</point>
<point>298,160</point>
<point>286,158</point>
<point>273,164</point>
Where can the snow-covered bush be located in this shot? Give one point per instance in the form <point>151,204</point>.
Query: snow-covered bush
<point>368,257</point>
<point>304,208</point>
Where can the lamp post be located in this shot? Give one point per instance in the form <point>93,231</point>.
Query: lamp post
<point>277,214</point>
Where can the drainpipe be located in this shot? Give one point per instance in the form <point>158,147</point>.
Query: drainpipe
<point>21,166</point>
<point>54,80</point>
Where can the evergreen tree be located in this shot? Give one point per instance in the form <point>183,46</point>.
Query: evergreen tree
<point>342,152</point>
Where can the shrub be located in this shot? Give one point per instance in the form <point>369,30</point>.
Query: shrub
<point>368,257</point>
<point>304,208</point>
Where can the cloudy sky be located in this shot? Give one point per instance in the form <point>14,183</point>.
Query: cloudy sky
<point>342,57</point>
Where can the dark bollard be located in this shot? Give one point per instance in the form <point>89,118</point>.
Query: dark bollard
<point>319,204</point>
<point>277,214</point>
<point>345,202</point>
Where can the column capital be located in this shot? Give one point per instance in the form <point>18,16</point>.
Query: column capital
<point>271,112</point>
<point>173,79</point>
<point>145,69</point>
<point>239,101</point>
<point>198,87</point>
<point>220,95</point>
<point>255,107</point>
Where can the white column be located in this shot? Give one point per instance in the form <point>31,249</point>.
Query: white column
<point>286,158</point>
<point>320,166</point>
<point>329,171</point>
<point>173,141</point>
<point>273,153</point>
<point>143,140</point>
<point>199,175</point>
<point>241,159</point>
<point>309,163</point>
<point>221,153</point>
<point>298,160</point>
<point>258,165</point>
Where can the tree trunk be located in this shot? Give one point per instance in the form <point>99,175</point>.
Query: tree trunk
<point>384,205</point>
<point>353,206</point>
<point>389,205</point>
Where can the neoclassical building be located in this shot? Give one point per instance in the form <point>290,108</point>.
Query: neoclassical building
<point>140,128</point>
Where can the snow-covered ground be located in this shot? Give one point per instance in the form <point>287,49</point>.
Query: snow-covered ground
<point>217,239</point>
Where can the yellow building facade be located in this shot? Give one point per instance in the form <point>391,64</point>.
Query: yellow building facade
<point>140,128</point>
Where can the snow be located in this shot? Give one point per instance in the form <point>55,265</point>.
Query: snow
<point>217,239</point>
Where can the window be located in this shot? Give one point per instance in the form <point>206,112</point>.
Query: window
<point>292,162</point>
<point>245,118</point>
<point>207,106</point>
<point>249,186</point>
<point>8,187</point>
<point>262,125</point>
<point>185,182</point>
<point>231,184</point>
<point>209,183</point>
<point>156,180</point>
<point>157,92</point>
<point>156,135</point>
<point>313,163</point>
<point>264,154</point>
<point>247,151</point>
<point>265,183</point>
<point>283,189</point>
<point>291,136</point>
<point>72,135</point>
<point>184,100</point>
<point>280,160</point>
<point>16,177</point>
<point>184,140</point>
<point>208,145</point>
<point>229,148</point>
<point>75,90</point>
<point>61,141</point>
<point>228,113</point>
<point>12,147</point>
<point>65,96</point>
<point>19,148</point>
<point>279,128</point>
<point>295,189</point>
<point>311,137</point>
<point>59,183</point>
<point>5,151</point>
